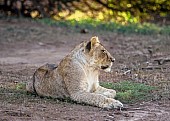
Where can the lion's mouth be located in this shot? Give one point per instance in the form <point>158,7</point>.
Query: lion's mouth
<point>104,67</point>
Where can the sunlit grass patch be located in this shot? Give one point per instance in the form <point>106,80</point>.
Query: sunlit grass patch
<point>130,92</point>
<point>96,25</point>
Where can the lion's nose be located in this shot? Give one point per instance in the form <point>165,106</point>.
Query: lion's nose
<point>112,59</point>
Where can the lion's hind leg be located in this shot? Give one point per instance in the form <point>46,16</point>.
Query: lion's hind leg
<point>38,76</point>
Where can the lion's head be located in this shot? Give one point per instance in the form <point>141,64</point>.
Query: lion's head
<point>99,57</point>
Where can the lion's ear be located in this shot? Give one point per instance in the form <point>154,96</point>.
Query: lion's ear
<point>94,41</point>
<point>88,46</point>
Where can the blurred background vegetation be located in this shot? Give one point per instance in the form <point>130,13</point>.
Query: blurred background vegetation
<point>117,11</point>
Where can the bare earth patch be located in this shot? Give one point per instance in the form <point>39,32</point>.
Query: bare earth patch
<point>25,45</point>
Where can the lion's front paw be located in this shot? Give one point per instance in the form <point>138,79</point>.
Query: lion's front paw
<point>117,104</point>
<point>112,103</point>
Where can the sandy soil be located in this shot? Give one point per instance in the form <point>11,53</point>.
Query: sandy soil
<point>25,45</point>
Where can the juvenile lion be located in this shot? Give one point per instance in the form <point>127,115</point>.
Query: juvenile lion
<point>77,76</point>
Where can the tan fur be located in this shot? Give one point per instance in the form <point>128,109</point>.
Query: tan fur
<point>77,76</point>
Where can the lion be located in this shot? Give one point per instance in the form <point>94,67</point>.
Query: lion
<point>77,76</point>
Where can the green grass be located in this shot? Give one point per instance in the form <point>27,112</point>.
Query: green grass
<point>94,25</point>
<point>12,95</point>
<point>127,92</point>
<point>130,92</point>
<point>20,86</point>
<point>21,96</point>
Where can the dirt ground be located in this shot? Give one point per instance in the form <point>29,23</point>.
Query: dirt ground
<point>26,44</point>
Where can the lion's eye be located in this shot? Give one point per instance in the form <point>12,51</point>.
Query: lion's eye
<point>103,51</point>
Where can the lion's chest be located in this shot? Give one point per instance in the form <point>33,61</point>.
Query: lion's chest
<point>92,81</point>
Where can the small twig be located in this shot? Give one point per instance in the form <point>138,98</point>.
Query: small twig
<point>152,68</point>
<point>162,61</point>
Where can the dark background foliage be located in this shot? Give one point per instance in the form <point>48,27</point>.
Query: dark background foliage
<point>142,10</point>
